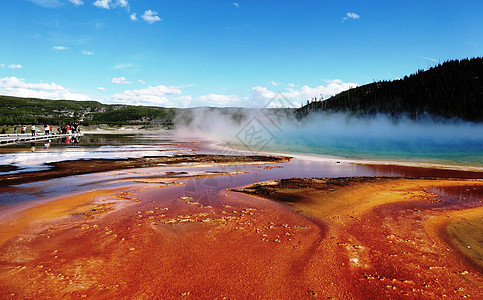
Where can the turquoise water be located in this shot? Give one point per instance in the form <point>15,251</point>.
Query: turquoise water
<point>456,143</point>
<point>468,154</point>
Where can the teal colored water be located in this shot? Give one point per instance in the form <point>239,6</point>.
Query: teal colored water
<point>470,154</point>
<point>379,138</point>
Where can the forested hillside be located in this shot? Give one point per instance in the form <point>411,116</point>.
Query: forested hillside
<point>16,111</point>
<point>453,89</point>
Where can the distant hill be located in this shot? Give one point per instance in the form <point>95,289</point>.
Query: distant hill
<point>453,89</point>
<point>25,111</point>
<point>16,111</point>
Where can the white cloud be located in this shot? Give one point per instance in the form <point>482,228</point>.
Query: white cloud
<point>108,4</point>
<point>133,17</point>
<point>12,66</point>
<point>221,100</point>
<point>296,96</point>
<point>141,81</point>
<point>213,100</point>
<point>102,3</point>
<point>236,4</point>
<point>60,48</point>
<point>291,85</point>
<point>350,15</point>
<point>13,86</point>
<point>183,101</point>
<point>173,96</point>
<point>100,88</point>
<point>275,83</point>
<point>120,80</point>
<point>85,52</point>
<point>153,95</point>
<point>76,2</point>
<point>122,66</point>
<point>150,16</point>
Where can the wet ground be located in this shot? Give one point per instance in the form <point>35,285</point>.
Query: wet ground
<point>168,231</point>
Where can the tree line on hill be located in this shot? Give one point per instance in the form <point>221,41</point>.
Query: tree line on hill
<point>453,89</point>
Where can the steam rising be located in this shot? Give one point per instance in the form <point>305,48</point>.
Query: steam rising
<point>338,134</point>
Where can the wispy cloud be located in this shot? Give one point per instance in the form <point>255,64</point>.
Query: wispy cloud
<point>60,48</point>
<point>85,52</point>
<point>221,100</point>
<point>427,58</point>
<point>100,88</point>
<point>350,15</point>
<point>236,4</point>
<point>141,81</point>
<point>47,3</point>
<point>133,17</point>
<point>14,66</point>
<point>11,66</point>
<point>122,66</point>
<point>150,16</point>
<point>76,2</point>
<point>120,80</point>
<point>122,3</point>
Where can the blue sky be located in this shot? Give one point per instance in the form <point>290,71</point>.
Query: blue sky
<point>223,53</point>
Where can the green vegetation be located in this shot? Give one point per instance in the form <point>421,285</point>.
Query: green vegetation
<point>135,115</point>
<point>15,111</point>
<point>453,89</point>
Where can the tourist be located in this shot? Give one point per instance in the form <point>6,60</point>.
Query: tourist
<point>33,129</point>
<point>46,129</point>
<point>15,130</point>
<point>23,129</point>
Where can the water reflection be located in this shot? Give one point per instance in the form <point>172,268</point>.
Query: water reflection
<point>36,156</point>
<point>458,196</point>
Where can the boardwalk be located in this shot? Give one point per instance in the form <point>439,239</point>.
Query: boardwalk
<point>6,139</point>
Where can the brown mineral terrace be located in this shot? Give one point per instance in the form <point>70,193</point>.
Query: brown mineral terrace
<point>78,167</point>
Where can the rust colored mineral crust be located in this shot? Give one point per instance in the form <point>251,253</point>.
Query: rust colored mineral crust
<point>348,239</point>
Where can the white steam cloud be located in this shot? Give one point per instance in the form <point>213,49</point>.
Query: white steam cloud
<point>338,134</point>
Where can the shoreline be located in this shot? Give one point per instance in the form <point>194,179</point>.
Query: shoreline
<point>362,161</point>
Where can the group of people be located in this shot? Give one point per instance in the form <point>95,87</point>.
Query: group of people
<point>69,129</point>
<point>65,129</point>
